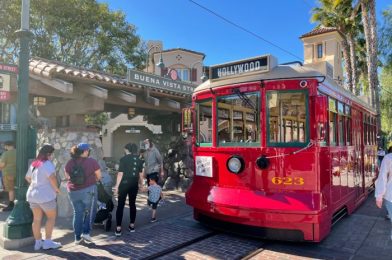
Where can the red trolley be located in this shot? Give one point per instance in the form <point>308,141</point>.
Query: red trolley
<point>280,151</point>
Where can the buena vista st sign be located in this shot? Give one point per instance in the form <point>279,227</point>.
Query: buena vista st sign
<point>151,80</point>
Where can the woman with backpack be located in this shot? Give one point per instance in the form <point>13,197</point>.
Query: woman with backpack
<point>41,195</point>
<point>82,173</point>
<point>129,178</point>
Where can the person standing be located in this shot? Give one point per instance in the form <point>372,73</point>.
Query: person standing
<point>129,179</point>
<point>8,167</point>
<point>383,192</point>
<point>41,195</point>
<point>153,162</point>
<point>154,196</point>
<point>82,173</point>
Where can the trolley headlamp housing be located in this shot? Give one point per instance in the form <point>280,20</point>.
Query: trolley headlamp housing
<point>235,164</point>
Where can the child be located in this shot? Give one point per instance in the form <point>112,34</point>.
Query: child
<point>154,196</point>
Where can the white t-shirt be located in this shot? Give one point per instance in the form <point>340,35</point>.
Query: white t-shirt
<point>40,190</point>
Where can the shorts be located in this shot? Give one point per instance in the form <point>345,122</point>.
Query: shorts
<point>9,182</point>
<point>50,205</point>
<point>152,204</point>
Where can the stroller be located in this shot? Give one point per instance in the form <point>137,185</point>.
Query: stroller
<point>105,206</point>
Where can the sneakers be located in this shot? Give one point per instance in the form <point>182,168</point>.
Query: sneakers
<point>77,242</point>
<point>153,220</point>
<point>38,244</point>
<point>117,233</point>
<point>86,237</point>
<point>50,244</point>
<point>131,229</point>
<point>9,207</point>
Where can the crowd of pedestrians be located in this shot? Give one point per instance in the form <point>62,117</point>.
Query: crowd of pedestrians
<point>139,170</point>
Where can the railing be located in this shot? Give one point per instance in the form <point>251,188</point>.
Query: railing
<point>8,127</point>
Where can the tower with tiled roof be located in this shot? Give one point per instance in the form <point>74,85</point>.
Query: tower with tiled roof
<point>323,52</point>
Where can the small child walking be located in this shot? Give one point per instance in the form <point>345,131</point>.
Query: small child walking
<point>154,196</point>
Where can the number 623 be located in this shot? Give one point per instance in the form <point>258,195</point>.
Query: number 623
<point>288,180</point>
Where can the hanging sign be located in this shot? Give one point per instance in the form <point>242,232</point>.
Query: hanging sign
<point>5,80</point>
<point>5,87</point>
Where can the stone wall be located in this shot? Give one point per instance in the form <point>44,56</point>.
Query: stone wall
<point>63,139</point>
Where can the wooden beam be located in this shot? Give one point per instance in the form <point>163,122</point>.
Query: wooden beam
<point>58,84</point>
<point>171,103</point>
<point>95,91</point>
<point>123,95</point>
<point>149,99</point>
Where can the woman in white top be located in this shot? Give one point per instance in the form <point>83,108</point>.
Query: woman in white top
<point>41,195</point>
<point>383,191</point>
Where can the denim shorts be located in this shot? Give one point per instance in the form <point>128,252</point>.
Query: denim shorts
<point>50,205</point>
<point>153,205</point>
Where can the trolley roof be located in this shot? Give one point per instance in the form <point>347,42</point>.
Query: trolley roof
<point>282,72</point>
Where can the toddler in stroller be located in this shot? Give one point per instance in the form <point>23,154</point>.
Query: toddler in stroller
<point>105,207</point>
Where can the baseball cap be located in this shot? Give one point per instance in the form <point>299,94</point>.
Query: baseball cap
<point>83,146</point>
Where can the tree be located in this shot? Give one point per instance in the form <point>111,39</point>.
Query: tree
<point>386,39</point>
<point>370,30</point>
<point>337,13</point>
<point>386,72</point>
<point>83,33</point>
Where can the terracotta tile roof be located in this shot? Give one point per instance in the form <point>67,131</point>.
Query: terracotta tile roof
<point>52,69</point>
<point>182,49</point>
<point>319,30</point>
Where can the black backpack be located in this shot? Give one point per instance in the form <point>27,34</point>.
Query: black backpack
<point>77,174</point>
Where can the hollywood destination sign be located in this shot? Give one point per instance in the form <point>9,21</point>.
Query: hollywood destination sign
<point>252,65</point>
<point>151,80</point>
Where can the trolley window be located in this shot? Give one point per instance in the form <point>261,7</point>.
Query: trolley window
<point>287,118</point>
<point>332,122</point>
<point>204,123</point>
<point>238,121</point>
<point>347,111</point>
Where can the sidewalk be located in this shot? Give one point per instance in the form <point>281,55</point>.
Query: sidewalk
<point>174,201</point>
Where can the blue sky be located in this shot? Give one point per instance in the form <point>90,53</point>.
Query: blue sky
<point>183,24</point>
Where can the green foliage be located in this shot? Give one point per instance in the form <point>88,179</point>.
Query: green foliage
<point>386,38</point>
<point>97,119</point>
<point>386,99</point>
<point>83,33</point>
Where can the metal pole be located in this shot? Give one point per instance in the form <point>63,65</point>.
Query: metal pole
<point>18,224</point>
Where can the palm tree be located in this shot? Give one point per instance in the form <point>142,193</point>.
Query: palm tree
<point>334,13</point>
<point>370,30</point>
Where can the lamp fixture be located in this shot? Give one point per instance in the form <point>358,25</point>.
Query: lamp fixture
<point>160,63</point>
<point>39,101</point>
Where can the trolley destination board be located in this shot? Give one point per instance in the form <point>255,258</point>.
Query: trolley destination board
<point>237,68</point>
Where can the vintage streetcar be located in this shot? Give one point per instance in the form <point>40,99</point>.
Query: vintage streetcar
<point>280,151</point>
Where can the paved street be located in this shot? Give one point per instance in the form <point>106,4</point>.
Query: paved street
<point>364,235</point>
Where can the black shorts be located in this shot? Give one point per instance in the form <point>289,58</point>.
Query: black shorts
<point>152,204</point>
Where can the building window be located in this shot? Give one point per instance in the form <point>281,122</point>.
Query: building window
<point>183,74</point>
<point>319,51</point>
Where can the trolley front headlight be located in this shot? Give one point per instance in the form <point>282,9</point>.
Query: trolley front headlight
<point>235,164</point>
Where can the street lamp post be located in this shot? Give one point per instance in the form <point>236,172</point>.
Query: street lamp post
<point>148,53</point>
<point>203,77</point>
<point>18,224</point>
<point>160,64</point>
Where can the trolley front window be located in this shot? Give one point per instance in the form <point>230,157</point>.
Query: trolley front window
<point>204,123</point>
<point>238,121</point>
<point>287,118</point>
